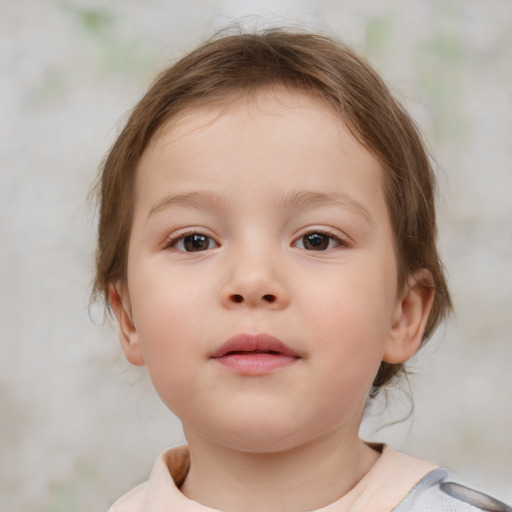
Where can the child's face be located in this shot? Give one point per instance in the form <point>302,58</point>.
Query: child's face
<point>260,222</point>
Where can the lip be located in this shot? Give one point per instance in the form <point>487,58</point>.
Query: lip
<point>255,354</point>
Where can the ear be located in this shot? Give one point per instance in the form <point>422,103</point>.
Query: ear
<point>410,318</point>
<point>128,336</point>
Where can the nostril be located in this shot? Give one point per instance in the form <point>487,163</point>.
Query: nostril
<point>238,299</point>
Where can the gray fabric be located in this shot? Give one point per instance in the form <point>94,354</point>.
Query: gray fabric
<point>436,492</point>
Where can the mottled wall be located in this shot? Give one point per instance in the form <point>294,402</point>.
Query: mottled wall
<point>78,425</point>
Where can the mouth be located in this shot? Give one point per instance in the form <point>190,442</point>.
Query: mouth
<point>249,354</point>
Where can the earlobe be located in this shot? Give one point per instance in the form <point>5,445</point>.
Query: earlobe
<point>410,318</point>
<point>128,336</point>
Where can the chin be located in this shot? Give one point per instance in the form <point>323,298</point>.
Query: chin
<point>263,446</point>
<point>263,438</point>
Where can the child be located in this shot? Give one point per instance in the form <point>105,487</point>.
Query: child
<point>267,243</point>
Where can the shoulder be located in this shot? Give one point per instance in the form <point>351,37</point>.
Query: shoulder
<point>168,473</point>
<point>438,492</point>
<point>132,501</point>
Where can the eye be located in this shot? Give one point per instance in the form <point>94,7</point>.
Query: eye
<point>317,241</point>
<point>193,242</point>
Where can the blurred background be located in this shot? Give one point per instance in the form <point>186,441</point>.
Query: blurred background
<point>78,425</point>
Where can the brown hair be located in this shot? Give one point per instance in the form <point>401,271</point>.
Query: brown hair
<point>235,65</point>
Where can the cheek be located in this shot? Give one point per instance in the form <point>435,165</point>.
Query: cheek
<point>165,299</point>
<point>165,336</point>
<point>354,302</point>
<point>170,315</point>
<point>156,311</point>
<point>351,322</point>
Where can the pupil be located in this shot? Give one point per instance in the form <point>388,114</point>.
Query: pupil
<point>195,243</point>
<point>316,241</point>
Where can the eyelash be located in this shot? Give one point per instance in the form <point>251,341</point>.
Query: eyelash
<point>326,233</point>
<point>175,239</point>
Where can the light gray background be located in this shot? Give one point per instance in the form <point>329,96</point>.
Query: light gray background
<point>78,425</point>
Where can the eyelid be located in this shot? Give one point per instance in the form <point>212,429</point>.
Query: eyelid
<point>180,234</point>
<point>342,240</point>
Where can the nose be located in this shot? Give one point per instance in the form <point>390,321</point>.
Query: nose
<point>254,281</point>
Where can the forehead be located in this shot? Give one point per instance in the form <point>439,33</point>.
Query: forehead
<point>274,102</point>
<point>267,137</point>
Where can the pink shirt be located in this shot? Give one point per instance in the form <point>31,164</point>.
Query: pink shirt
<point>386,484</point>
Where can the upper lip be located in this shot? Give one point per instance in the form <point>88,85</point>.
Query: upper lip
<point>254,343</point>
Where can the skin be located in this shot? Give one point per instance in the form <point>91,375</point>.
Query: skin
<point>256,177</point>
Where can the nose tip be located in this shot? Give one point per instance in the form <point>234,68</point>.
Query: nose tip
<point>254,278</point>
<point>254,292</point>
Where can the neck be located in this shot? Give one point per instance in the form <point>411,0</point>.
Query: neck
<point>304,478</point>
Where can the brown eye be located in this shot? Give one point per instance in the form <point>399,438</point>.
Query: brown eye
<point>195,243</point>
<point>317,241</point>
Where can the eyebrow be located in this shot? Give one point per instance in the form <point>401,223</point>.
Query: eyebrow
<point>303,200</point>
<point>296,200</point>
<point>197,199</point>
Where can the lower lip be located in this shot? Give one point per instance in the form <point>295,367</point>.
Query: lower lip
<point>256,364</point>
